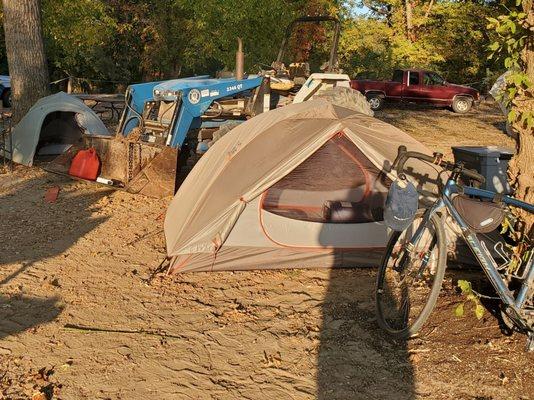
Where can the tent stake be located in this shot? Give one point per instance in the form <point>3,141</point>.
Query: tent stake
<point>159,269</point>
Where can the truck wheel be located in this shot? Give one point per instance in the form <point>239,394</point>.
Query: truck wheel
<point>375,101</point>
<point>6,98</point>
<point>346,97</point>
<point>461,105</point>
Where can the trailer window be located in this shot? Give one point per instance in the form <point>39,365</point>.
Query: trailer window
<point>414,78</point>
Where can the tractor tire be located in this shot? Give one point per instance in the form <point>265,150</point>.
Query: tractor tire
<point>346,97</point>
<point>223,130</point>
<point>376,101</point>
<point>6,98</point>
<point>461,105</point>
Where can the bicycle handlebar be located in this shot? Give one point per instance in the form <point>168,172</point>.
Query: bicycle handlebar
<point>403,155</point>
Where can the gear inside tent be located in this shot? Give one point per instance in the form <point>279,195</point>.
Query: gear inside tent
<point>301,186</point>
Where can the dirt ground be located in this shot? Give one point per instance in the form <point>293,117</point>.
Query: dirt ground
<point>79,321</point>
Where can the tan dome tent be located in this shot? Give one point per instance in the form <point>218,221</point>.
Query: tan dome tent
<point>301,186</point>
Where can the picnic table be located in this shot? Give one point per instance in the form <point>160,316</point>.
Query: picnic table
<point>102,103</point>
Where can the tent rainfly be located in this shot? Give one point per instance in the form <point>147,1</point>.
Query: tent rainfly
<point>301,186</point>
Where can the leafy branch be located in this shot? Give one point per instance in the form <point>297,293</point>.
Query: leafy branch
<point>522,247</point>
<point>471,297</point>
<point>513,31</point>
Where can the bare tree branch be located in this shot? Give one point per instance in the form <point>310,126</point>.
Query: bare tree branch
<point>381,11</point>
<point>427,13</point>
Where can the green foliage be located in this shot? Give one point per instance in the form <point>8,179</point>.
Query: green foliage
<point>128,41</point>
<point>471,297</point>
<point>457,31</point>
<point>513,30</point>
<point>216,25</point>
<point>372,49</point>
<point>512,33</point>
<point>365,49</point>
<point>76,34</point>
<point>134,40</point>
<point>448,37</point>
<point>522,246</point>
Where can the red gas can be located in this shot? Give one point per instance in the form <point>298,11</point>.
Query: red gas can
<point>85,164</point>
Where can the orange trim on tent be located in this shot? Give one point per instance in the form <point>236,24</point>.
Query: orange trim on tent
<point>315,248</point>
<point>176,268</point>
<point>367,190</point>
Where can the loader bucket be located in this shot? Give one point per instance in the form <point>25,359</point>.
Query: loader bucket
<point>134,166</point>
<point>143,168</point>
<point>157,177</point>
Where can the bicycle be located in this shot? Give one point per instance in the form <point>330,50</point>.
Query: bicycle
<point>416,258</point>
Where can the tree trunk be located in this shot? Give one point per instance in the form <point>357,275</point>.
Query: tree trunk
<point>409,20</point>
<point>429,9</point>
<point>25,54</point>
<point>521,169</point>
<point>528,51</point>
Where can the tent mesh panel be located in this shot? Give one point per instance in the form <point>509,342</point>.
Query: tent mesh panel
<point>336,184</point>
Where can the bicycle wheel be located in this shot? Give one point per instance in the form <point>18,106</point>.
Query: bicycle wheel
<point>408,283</point>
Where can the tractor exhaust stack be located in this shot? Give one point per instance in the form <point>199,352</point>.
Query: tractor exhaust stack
<point>239,61</point>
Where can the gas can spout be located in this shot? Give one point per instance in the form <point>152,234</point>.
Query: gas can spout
<point>239,61</point>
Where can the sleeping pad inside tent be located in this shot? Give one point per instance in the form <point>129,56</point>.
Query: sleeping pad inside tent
<point>298,187</point>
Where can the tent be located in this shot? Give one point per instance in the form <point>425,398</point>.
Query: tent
<point>300,186</point>
<point>59,119</point>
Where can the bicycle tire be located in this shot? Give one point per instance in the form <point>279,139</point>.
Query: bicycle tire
<point>411,329</point>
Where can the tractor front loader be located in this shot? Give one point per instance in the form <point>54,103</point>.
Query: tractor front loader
<point>167,125</point>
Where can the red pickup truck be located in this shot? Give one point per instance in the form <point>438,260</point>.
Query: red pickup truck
<point>417,86</point>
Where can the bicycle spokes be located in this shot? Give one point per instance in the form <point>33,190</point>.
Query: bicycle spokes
<point>409,279</point>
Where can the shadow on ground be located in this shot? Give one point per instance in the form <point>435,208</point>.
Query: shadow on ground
<point>31,231</point>
<point>27,219</point>
<point>19,313</point>
<point>356,360</point>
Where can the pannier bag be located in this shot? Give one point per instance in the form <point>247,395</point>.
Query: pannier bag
<point>480,216</point>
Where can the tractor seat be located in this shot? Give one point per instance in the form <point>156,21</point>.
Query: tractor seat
<point>282,83</point>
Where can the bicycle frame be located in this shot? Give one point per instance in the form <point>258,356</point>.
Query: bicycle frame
<point>478,247</point>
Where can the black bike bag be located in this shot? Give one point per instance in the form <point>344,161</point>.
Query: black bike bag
<point>480,216</point>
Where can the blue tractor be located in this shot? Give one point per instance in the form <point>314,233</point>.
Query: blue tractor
<point>167,125</point>
<point>168,112</point>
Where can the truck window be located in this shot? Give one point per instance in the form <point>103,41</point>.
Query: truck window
<point>398,75</point>
<point>431,78</point>
<point>413,78</point>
